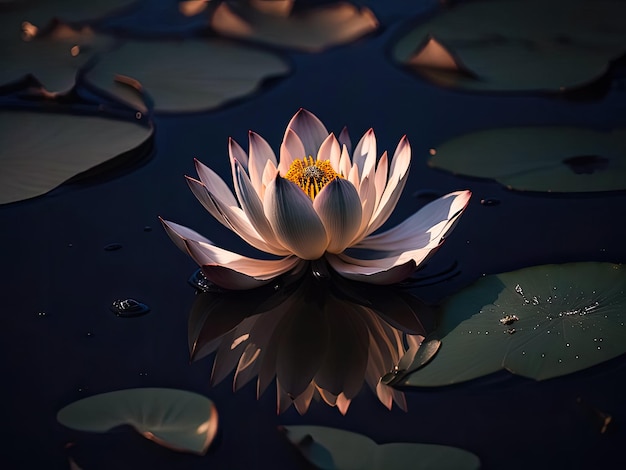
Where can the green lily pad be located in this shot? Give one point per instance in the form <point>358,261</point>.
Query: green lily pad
<point>539,322</point>
<point>551,45</point>
<point>176,419</point>
<point>53,58</point>
<point>184,76</point>
<point>330,448</point>
<point>311,30</point>
<point>40,151</point>
<point>558,159</point>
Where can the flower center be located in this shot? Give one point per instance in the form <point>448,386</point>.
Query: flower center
<point>311,175</point>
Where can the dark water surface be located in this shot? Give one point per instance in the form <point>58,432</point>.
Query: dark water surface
<point>60,341</point>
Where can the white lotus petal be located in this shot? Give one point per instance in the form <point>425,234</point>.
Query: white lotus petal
<point>215,184</point>
<point>395,185</point>
<point>422,227</point>
<point>268,175</point>
<point>339,208</point>
<point>367,195</point>
<point>235,152</point>
<point>179,233</point>
<point>380,180</point>
<point>345,164</point>
<point>344,139</point>
<point>302,401</point>
<point>260,153</point>
<point>353,176</point>
<point>199,190</point>
<point>253,208</point>
<point>386,273</point>
<point>330,150</point>
<point>290,149</point>
<point>364,155</point>
<point>296,224</point>
<point>309,129</point>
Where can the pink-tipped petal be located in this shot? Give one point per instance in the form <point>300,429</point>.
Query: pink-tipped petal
<point>260,153</point>
<point>364,155</point>
<point>178,234</point>
<point>345,164</point>
<point>214,184</point>
<point>330,150</point>
<point>344,139</point>
<point>367,195</point>
<point>294,221</point>
<point>290,149</point>
<point>235,152</point>
<point>426,227</point>
<point>253,208</point>
<point>380,180</point>
<point>309,129</point>
<point>339,208</point>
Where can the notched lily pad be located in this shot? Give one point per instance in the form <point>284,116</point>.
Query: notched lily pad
<point>330,448</point>
<point>539,322</point>
<point>176,419</point>
<point>40,151</point>
<point>552,45</point>
<point>183,76</point>
<point>274,22</point>
<point>558,159</point>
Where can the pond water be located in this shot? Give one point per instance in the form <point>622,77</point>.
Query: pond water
<point>80,248</point>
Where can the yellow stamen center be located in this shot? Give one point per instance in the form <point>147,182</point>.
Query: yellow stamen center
<point>311,175</point>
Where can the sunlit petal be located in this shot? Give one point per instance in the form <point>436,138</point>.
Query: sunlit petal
<point>364,156</point>
<point>291,149</point>
<point>310,130</point>
<point>296,224</point>
<point>339,208</point>
<point>260,153</point>
<point>215,184</point>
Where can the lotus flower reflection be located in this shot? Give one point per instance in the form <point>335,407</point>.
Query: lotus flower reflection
<point>313,203</point>
<point>318,338</point>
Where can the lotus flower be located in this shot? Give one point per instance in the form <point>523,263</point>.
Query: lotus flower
<point>319,338</point>
<point>312,204</point>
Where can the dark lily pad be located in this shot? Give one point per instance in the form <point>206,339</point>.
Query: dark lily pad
<point>311,30</point>
<point>40,151</point>
<point>539,322</point>
<point>53,58</point>
<point>558,159</point>
<point>176,419</point>
<point>183,76</point>
<point>551,45</point>
<point>330,448</point>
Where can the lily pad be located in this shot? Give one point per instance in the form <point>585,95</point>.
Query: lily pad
<point>311,30</point>
<point>330,448</point>
<point>184,76</point>
<point>53,58</point>
<point>40,151</point>
<point>536,45</point>
<point>176,419</point>
<point>539,322</point>
<point>558,159</point>
<point>40,12</point>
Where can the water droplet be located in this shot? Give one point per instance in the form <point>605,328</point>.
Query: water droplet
<point>491,201</point>
<point>567,344</point>
<point>41,314</point>
<point>138,115</point>
<point>523,353</point>
<point>433,151</point>
<point>511,331</point>
<point>201,283</point>
<point>75,50</point>
<point>543,355</point>
<point>598,348</point>
<point>129,308</point>
<point>89,334</point>
<point>147,228</point>
<point>113,247</point>
<point>508,319</point>
<point>69,245</point>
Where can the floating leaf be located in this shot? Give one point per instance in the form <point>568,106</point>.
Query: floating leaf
<point>330,448</point>
<point>40,151</point>
<point>176,419</point>
<point>559,159</point>
<point>311,30</point>
<point>539,322</point>
<point>187,75</point>
<point>549,45</point>
<point>53,58</point>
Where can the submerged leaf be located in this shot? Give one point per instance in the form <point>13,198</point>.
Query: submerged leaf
<point>41,151</point>
<point>330,448</point>
<point>184,76</point>
<point>539,322</point>
<point>549,45</point>
<point>175,419</point>
<point>556,159</point>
